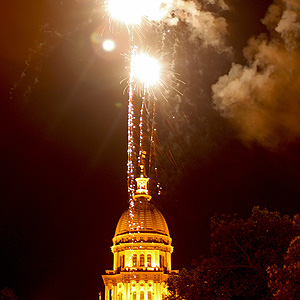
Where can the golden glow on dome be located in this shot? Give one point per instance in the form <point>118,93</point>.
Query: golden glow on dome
<point>141,255</point>
<point>146,218</point>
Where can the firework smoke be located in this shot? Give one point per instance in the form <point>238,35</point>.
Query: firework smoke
<point>203,25</point>
<point>262,99</point>
<point>220,3</point>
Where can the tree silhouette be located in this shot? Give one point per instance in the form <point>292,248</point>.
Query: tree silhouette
<point>285,281</point>
<point>241,252</point>
<point>7,294</point>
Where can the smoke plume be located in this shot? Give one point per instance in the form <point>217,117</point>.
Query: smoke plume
<point>220,3</point>
<point>262,98</point>
<point>203,25</point>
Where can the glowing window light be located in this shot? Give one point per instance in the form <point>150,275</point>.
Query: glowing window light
<point>134,260</point>
<point>146,69</point>
<point>142,260</point>
<point>149,260</point>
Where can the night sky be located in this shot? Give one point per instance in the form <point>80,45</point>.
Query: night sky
<point>234,134</point>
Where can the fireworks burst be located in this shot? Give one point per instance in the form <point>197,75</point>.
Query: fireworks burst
<point>133,12</point>
<point>151,74</point>
<point>146,69</point>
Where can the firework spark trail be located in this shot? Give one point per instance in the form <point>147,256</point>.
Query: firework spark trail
<point>151,150</point>
<point>135,14</point>
<point>146,131</point>
<point>141,135</point>
<point>130,148</point>
<point>161,14</point>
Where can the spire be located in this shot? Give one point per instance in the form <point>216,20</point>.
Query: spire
<point>142,181</point>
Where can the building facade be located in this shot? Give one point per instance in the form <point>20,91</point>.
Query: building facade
<point>141,252</point>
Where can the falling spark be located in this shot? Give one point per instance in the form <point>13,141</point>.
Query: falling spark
<point>145,74</point>
<point>130,140</point>
<point>130,150</point>
<point>138,63</point>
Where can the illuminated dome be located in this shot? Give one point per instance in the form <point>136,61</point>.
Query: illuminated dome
<point>146,219</point>
<point>142,249</point>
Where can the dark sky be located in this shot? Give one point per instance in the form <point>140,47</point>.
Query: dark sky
<point>63,136</point>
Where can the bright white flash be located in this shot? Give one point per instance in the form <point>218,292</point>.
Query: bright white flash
<point>108,45</point>
<point>133,11</point>
<point>146,69</point>
<point>126,11</point>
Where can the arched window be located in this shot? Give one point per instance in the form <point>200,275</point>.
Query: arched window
<point>149,296</point>
<point>120,296</point>
<point>134,260</point>
<point>149,260</point>
<point>122,261</point>
<point>134,296</point>
<point>161,261</point>
<point>142,260</point>
<point>142,296</point>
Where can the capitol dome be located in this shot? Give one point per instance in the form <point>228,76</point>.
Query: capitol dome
<point>142,249</point>
<point>146,218</point>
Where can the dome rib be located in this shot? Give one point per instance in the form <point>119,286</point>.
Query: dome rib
<point>147,218</point>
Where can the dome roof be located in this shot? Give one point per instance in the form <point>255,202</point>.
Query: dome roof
<point>146,218</point>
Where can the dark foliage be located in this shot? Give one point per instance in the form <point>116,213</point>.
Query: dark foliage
<point>242,252</point>
<point>285,281</point>
<point>7,294</point>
